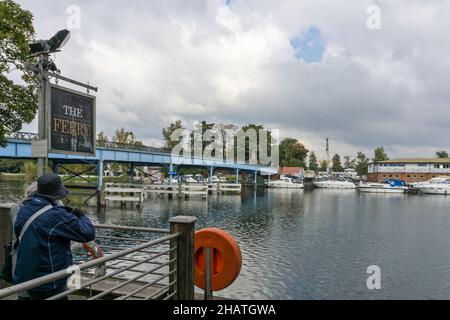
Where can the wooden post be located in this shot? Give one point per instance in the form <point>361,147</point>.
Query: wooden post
<point>184,254</point>
<point>6,231</point>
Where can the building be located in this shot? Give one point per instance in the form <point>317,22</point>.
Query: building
<point>409,169</point>
<point>297,172</point>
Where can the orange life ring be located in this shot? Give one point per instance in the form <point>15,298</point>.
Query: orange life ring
<point>226,258</point>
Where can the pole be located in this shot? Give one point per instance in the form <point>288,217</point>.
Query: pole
<point>170,174</point>
<point>43,104</point>
<point>211,171</point>
<point>237,175</point>
<point>208,289</point>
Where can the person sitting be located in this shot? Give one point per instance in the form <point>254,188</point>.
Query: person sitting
<point>44,248</point>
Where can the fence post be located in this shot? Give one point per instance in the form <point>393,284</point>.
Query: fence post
<point>184,254</point>
<point>5,234</point>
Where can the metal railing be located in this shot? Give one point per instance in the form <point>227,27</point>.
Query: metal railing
<point>138,263</point>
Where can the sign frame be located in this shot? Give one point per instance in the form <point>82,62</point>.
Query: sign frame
<point>49,124</point>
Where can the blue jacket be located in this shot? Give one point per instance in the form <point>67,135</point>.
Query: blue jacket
<point>45,246</point>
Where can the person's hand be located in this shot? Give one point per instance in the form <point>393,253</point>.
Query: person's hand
<point>78,212</point>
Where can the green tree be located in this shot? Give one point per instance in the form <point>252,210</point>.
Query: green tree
<point>441,154</point>
<point>18,102</point>
<point>292,153</point>
<point>168,131</point>
<point>349,163</point>
<point>362,163</point>
<point>30,169</point>
<point>380,155</point>
<point>101,136</point>
<point>124,137</point>
<point>337,166</point>
<point>11,165</point>
<point>323,166</point>
<point>257,129</point>
<point>313,164</point>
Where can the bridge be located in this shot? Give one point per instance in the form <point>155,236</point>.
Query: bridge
<point>19,147</point>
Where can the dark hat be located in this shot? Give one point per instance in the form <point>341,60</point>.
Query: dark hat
<point>50,186</point>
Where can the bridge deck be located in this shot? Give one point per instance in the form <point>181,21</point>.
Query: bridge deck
<point>139,155</point>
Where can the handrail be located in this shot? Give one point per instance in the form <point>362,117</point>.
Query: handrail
<point>127,228</point>
<point>90,264</point>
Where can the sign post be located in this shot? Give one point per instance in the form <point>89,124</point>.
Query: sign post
<point>42,109</point>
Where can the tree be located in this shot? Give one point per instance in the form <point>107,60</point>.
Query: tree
<point>11,165</point>
<point>101,136</point>
<point>18,102</point>
<point>202,127</point>
<point>337,166</point>
<point>380,155</point>
<point>167,134</point>
<point>257,129</point>
<point>313,164</point>
<point>441,154</point>
<point>323,166</point>
<point>362,163</point>
<point>125,137</point>
<point>292,153</point>
<point>349,163</point>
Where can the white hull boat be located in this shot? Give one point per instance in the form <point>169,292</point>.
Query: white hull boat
<point>388,186</point>
<point>285,183</point>
<point>339,183</point>
<point>436,188</point>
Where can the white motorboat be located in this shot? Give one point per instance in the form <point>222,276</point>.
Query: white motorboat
<point>387,186</point>
<point>338,183</point>
<point>417,185</point>
<point>285,183</point>
<point>442,187</point>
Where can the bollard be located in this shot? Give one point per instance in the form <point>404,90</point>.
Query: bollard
<point>184,255</point>
<point>5,234</point>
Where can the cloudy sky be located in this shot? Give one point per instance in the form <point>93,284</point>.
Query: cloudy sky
<point>311,68</point>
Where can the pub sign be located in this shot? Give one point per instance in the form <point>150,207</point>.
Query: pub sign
<point>72,122</point>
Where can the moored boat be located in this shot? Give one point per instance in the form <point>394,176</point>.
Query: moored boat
<point>442,187</point>
<point>338,183</point>
<point>387,186</point>
<point>285,183</point>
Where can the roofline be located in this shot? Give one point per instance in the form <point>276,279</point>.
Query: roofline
<point>414,160</point>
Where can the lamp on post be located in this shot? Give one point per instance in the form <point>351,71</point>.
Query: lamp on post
<point>43,49</point>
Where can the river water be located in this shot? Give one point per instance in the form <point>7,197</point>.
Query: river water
<point>315,244</point>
